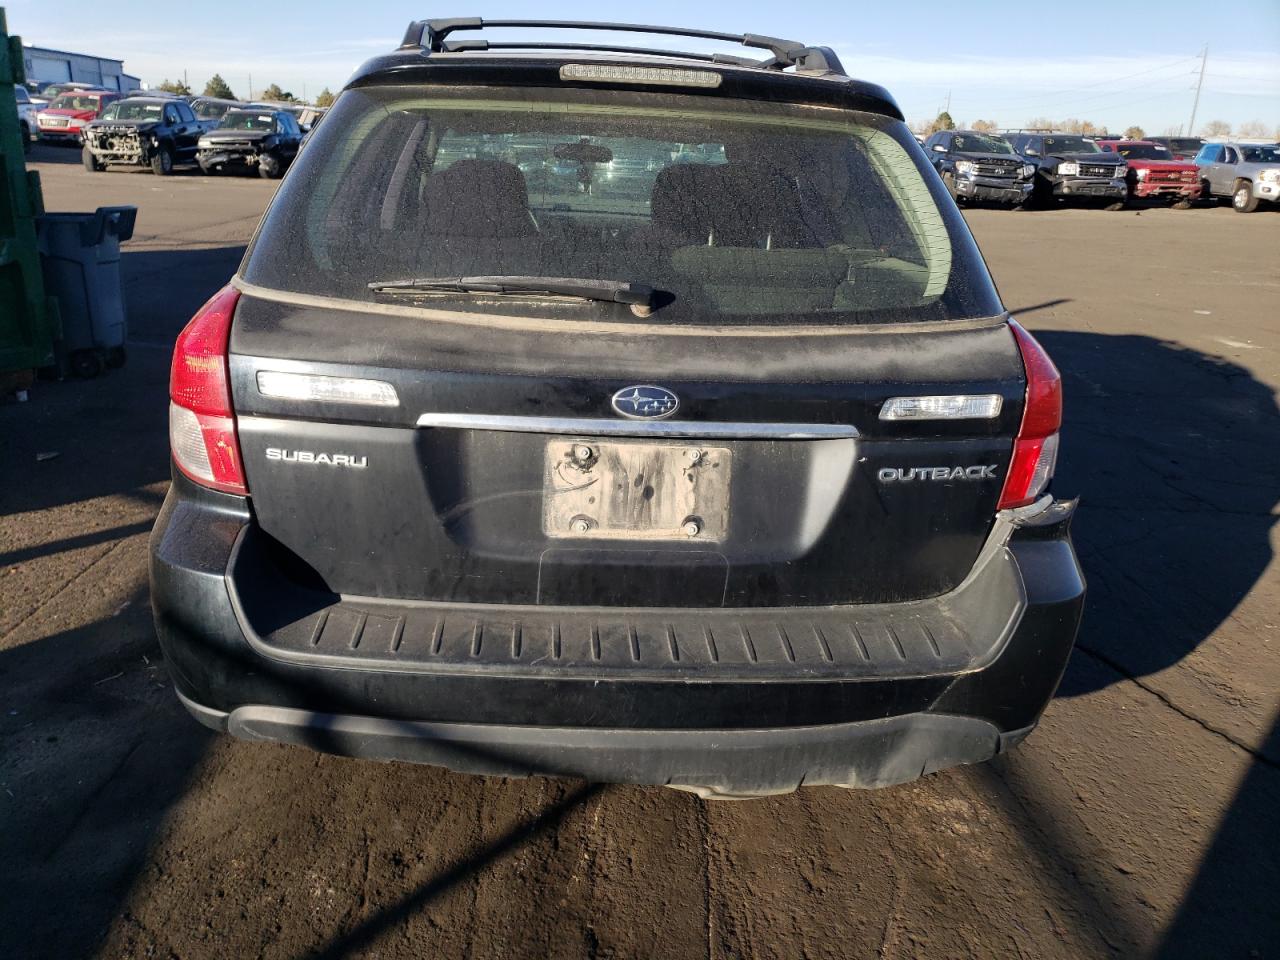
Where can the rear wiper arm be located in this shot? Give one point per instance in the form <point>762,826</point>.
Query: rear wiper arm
<point>639,296</point>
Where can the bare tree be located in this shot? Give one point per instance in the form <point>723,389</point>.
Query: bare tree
<point>1254,128</point>
<point>1135,133</point>
<point>1216,128</point>
<point>1085,128</point>
<point>985,126</point>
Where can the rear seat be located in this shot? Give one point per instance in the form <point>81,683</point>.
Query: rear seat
<point>740,234</point>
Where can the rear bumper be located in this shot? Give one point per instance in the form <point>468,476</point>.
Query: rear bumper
<point>868,754</point>
<point>246,662</point>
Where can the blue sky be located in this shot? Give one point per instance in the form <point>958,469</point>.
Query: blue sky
<point>1009,62</point>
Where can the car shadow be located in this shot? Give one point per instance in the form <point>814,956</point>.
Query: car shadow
<point>96,751</point>
<point>1175,455</point>
<point>62,153</point>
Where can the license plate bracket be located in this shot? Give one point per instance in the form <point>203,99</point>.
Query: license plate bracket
<point>634,490</point>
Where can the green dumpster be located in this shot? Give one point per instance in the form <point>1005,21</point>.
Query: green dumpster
<point>28,319</point>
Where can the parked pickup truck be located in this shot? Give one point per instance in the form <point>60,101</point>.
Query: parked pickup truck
<point>249,139</point>
<point>1248,173</point>
<point>27,125</point>
<point>1154,172</point>
<point>1070,166</point>
<point>1182,148</point>
<point>980,166</point>
<point>158,132</point>
<point>66,116</point>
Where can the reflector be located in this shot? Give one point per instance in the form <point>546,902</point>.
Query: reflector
<point>308,386</point>
<point>959,407</point>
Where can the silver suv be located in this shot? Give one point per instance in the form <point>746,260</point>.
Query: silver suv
<point>1248,173</point>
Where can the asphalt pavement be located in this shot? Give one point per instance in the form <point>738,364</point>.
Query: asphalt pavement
<point>1140,820</point>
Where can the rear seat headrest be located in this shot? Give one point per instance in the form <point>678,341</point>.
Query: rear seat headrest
<point>685,198</point>
<point>478,198</point>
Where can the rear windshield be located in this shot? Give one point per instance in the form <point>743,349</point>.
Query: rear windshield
<point>735,211</point>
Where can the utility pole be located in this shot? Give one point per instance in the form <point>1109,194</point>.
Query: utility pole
<point>948,102</point>
<point>1195,105</point>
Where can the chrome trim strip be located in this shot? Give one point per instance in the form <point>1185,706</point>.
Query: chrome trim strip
<point>594,427</point>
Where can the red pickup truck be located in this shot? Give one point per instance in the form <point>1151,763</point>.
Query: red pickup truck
<point>65,117</point>
<point>1154,171</point>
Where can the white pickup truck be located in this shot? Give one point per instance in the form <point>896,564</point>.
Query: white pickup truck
<point>26,117</point>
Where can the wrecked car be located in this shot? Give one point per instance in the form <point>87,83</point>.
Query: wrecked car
<point>980,166</point>
<point>1072,167</point>
<point>1248,173</point>
<point>249,139</point>
<point>1154,171</point>
<point>155,132</point>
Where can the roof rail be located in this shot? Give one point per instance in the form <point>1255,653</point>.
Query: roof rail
<point>463,46</point>
<point>430,35</point>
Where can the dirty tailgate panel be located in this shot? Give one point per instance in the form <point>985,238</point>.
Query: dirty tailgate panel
<point>394,510</point>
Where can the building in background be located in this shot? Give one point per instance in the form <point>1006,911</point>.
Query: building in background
<point>45,66</point>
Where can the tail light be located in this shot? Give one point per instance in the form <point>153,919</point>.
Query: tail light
<point>1035,451</point>
<point>202,426</point>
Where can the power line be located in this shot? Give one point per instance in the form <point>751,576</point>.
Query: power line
<point>1089,103</point>
<point>1109,80</point>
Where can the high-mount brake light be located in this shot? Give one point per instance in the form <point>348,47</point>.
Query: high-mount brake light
<point>202,426</point>
<point>1035,451</point>
<point>652,76</point>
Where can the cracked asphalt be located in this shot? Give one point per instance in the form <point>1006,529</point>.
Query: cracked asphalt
<point>1140,820</point>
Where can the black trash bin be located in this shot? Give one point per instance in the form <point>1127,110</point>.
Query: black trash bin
<point>80,255</point>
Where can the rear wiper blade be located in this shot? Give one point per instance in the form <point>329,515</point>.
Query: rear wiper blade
<point>639,296</point>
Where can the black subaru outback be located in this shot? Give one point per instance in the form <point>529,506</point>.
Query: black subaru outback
<point>642,417</point>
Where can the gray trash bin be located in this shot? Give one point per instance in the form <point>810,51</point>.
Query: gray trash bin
<point>80,254</point>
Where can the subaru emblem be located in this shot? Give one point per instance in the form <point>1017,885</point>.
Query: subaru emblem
<point>645,402</point>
